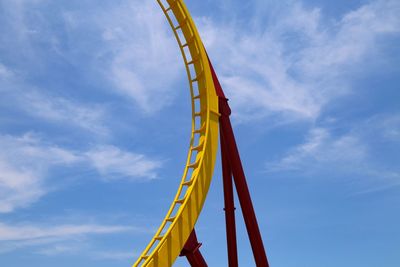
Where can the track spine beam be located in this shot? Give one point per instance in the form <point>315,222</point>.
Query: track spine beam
<point>170,238</point>
<point>210,113</point>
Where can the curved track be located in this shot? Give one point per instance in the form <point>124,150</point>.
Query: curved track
<point>179,222</point>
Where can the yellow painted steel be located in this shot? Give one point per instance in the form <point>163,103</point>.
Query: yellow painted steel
<point>179,222</point>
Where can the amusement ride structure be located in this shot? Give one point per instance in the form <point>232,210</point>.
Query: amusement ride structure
<point>210,119</point>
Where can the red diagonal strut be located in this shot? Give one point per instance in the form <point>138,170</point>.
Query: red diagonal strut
<point>231,165</point>
<point>229,147</point>
<point>192,253</point>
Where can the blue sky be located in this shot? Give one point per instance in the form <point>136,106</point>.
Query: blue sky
<point>95,123</point>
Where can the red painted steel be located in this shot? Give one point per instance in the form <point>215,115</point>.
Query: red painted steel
<point>217,85</point>
<point>242,189</point>
<point>231,165</point>
<point>229,147</point>
<point>192,253</point>
<point>229,205</point>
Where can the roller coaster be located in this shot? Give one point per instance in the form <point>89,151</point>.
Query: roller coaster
<point>176,235</point>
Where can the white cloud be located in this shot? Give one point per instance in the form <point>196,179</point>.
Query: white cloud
<point>62,110</point>
<point>355,36</point>
<point>18,188</point>
<point>296,65</point>
<point>72,248</point>
<point>56,239</point>
<point>17,94</point>
<point>388,125</point>
<point>322,150</point>
<point>292,66</point>
<point>29,232</point>
<point>142,57</point>
<point>142,60</point>
<point>146,61</point>
<point>114,255</point>
<point>56,249</point>
<point>368,151</point>
<point>21,31</point>
<point>4,72</point>
<point>19,90</point>
<point>26,163</point>
<point>113,163</point>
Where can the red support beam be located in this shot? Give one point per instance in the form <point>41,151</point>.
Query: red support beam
<point>192,253</point>
<point>229,205</point>
<point>231,165</point>
<point>229,148</point>
<point>242,189</point>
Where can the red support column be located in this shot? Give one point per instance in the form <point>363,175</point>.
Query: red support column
<point>229,147</point>
<point>229,205</point>
<point>242,189</point>
<point>192,253</point>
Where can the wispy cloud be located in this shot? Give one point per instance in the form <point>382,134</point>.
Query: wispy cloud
<point>297,64</point>
<point>26,163</point>
<point>71,248</point>
<point>145,62</point>
<point>113,163</point>
<point>16,26</point>
<point>4,72</point>
<point>61,110</point>
<point>321,149</point>
<point>354,153</point>
<point>291,67</point>
<point>57,239</point>
<point>136,53</point>
<point>114,255</point>
<point>18,188</point>
<point>24,232</point>
<point>135,56</point>
<point>388,125</point>
<point>57,249</point>
<point>39,104</point>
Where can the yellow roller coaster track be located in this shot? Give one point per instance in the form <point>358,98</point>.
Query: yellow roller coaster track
<point>180,220</point>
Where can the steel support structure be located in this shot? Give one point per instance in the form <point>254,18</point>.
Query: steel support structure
<point>232,171</point>
<point>229,204</point>
<point>192,253</point>
<point>232,165</point>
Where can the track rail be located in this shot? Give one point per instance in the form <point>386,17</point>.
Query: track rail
<point>185,209</point>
